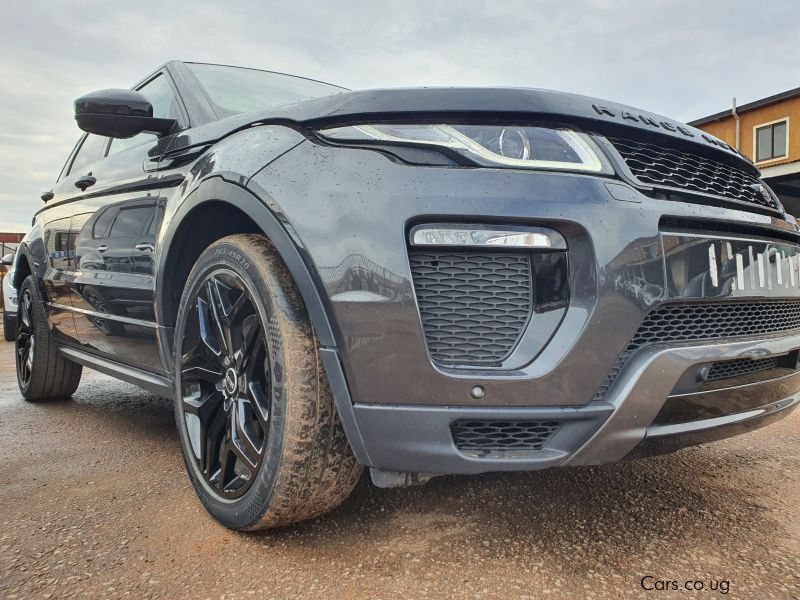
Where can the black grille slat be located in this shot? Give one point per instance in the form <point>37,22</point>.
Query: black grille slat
<point>474,307</point>
<point>708,321</point>
<point>474,435</point>
<point>669,167</point>
<point>743,366</point>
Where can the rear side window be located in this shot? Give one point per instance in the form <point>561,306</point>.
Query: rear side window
<point>130,222</point>
<point>100,228</point>
<point>91,150</point>
<point>155,222</point>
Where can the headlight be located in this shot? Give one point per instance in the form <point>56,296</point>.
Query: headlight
<point>518,147</point>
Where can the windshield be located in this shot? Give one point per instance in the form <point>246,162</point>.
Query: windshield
<point>234,90</point>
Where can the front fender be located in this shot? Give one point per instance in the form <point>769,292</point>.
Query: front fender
<point>217,189</point>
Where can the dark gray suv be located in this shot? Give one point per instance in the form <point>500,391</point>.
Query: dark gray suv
<point>419,281</point>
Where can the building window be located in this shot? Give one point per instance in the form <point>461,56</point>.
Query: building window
<point>771,140</point>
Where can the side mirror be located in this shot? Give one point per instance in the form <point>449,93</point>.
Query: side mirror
<point>8,260</point>
<point>119,114</point>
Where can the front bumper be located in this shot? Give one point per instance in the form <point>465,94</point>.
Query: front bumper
<point>419,439</point>
<point>397,405</point>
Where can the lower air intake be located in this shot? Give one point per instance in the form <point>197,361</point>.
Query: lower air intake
<point>743,366</point>
<point>493,436</point>
<point>708,321</point>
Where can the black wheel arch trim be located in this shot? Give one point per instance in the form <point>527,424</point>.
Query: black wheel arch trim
<point>20,274</point>
<point>34,267</point>
<point>217,189</point>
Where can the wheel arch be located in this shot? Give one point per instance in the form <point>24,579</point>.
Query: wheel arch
<point>22,268</point>
<point>243,209</point>
<point>231,209</point>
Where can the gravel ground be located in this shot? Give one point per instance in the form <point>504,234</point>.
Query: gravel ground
<point>95,503</point>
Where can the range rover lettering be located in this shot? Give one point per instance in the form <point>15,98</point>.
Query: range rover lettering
<point>415,281</point>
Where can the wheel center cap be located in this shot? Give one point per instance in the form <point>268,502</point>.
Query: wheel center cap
<point>231,381</point>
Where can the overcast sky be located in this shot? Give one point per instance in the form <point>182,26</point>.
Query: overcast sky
<point>684,59</point>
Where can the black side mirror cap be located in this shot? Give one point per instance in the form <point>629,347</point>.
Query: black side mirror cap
<point>8,260</point>
<point>119,114</point>
<point>47,196</point>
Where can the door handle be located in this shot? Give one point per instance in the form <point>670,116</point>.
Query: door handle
<point>85,182</point>
<point>144,247</point>
<point>102,248</point>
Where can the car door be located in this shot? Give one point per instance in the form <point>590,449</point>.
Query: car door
<point>113,283</point>
<point>57,241</point>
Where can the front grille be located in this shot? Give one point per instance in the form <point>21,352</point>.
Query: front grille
<point>672,168</point>
<point>474,307</point>
<point>488,436</point>
<point>743,366</point>
<point>715,320</point>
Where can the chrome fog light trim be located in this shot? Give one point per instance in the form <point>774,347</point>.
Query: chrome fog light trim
<point>479,236</point>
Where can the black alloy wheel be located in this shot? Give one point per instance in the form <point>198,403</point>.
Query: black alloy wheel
<point>26,338</point>
<point>225,383</point>
<point>42,372</point>
<point>261,438</point>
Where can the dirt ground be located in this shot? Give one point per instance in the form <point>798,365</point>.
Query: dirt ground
<point>95,503</point>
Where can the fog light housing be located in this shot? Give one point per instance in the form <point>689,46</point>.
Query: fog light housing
<point>485,236</point>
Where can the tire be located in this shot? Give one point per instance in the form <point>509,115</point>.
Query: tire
<point>42,374</point>
<point>9,327</point>
<point>259,431</point>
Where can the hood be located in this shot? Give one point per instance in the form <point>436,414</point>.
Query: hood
<point>465,105</point>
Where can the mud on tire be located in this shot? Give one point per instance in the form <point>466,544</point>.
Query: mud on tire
<point>305,465</point>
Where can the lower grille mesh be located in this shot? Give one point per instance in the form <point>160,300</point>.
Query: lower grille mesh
<point>474,307</point>
<point>502,435</point>
<point>715,320</point>
<point>744,366</point>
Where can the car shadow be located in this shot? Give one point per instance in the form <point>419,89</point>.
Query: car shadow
<point>581,517</point>
<point>605,514</point>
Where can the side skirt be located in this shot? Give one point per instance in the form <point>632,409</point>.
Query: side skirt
<point>145,380</point>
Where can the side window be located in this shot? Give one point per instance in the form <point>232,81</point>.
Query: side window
<point>90,151</point>
<point>100,228</point>
<point>130,222</point>
<point>66,165</point>
<point>155,222</point>
<point>160,95</point>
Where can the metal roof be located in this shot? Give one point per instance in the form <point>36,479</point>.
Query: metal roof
<point>749,106</point>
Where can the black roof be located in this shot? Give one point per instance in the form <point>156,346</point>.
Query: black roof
<point>749,106</point>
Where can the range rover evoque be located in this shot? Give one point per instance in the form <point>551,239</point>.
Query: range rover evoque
<point>418,281</point>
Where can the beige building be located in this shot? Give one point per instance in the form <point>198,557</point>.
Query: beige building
<point>768,132</point>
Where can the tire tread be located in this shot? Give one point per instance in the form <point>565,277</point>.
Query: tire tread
<point>53,376</point>
<point>316,469</point>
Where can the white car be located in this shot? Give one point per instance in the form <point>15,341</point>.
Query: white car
<point>9,300</point>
